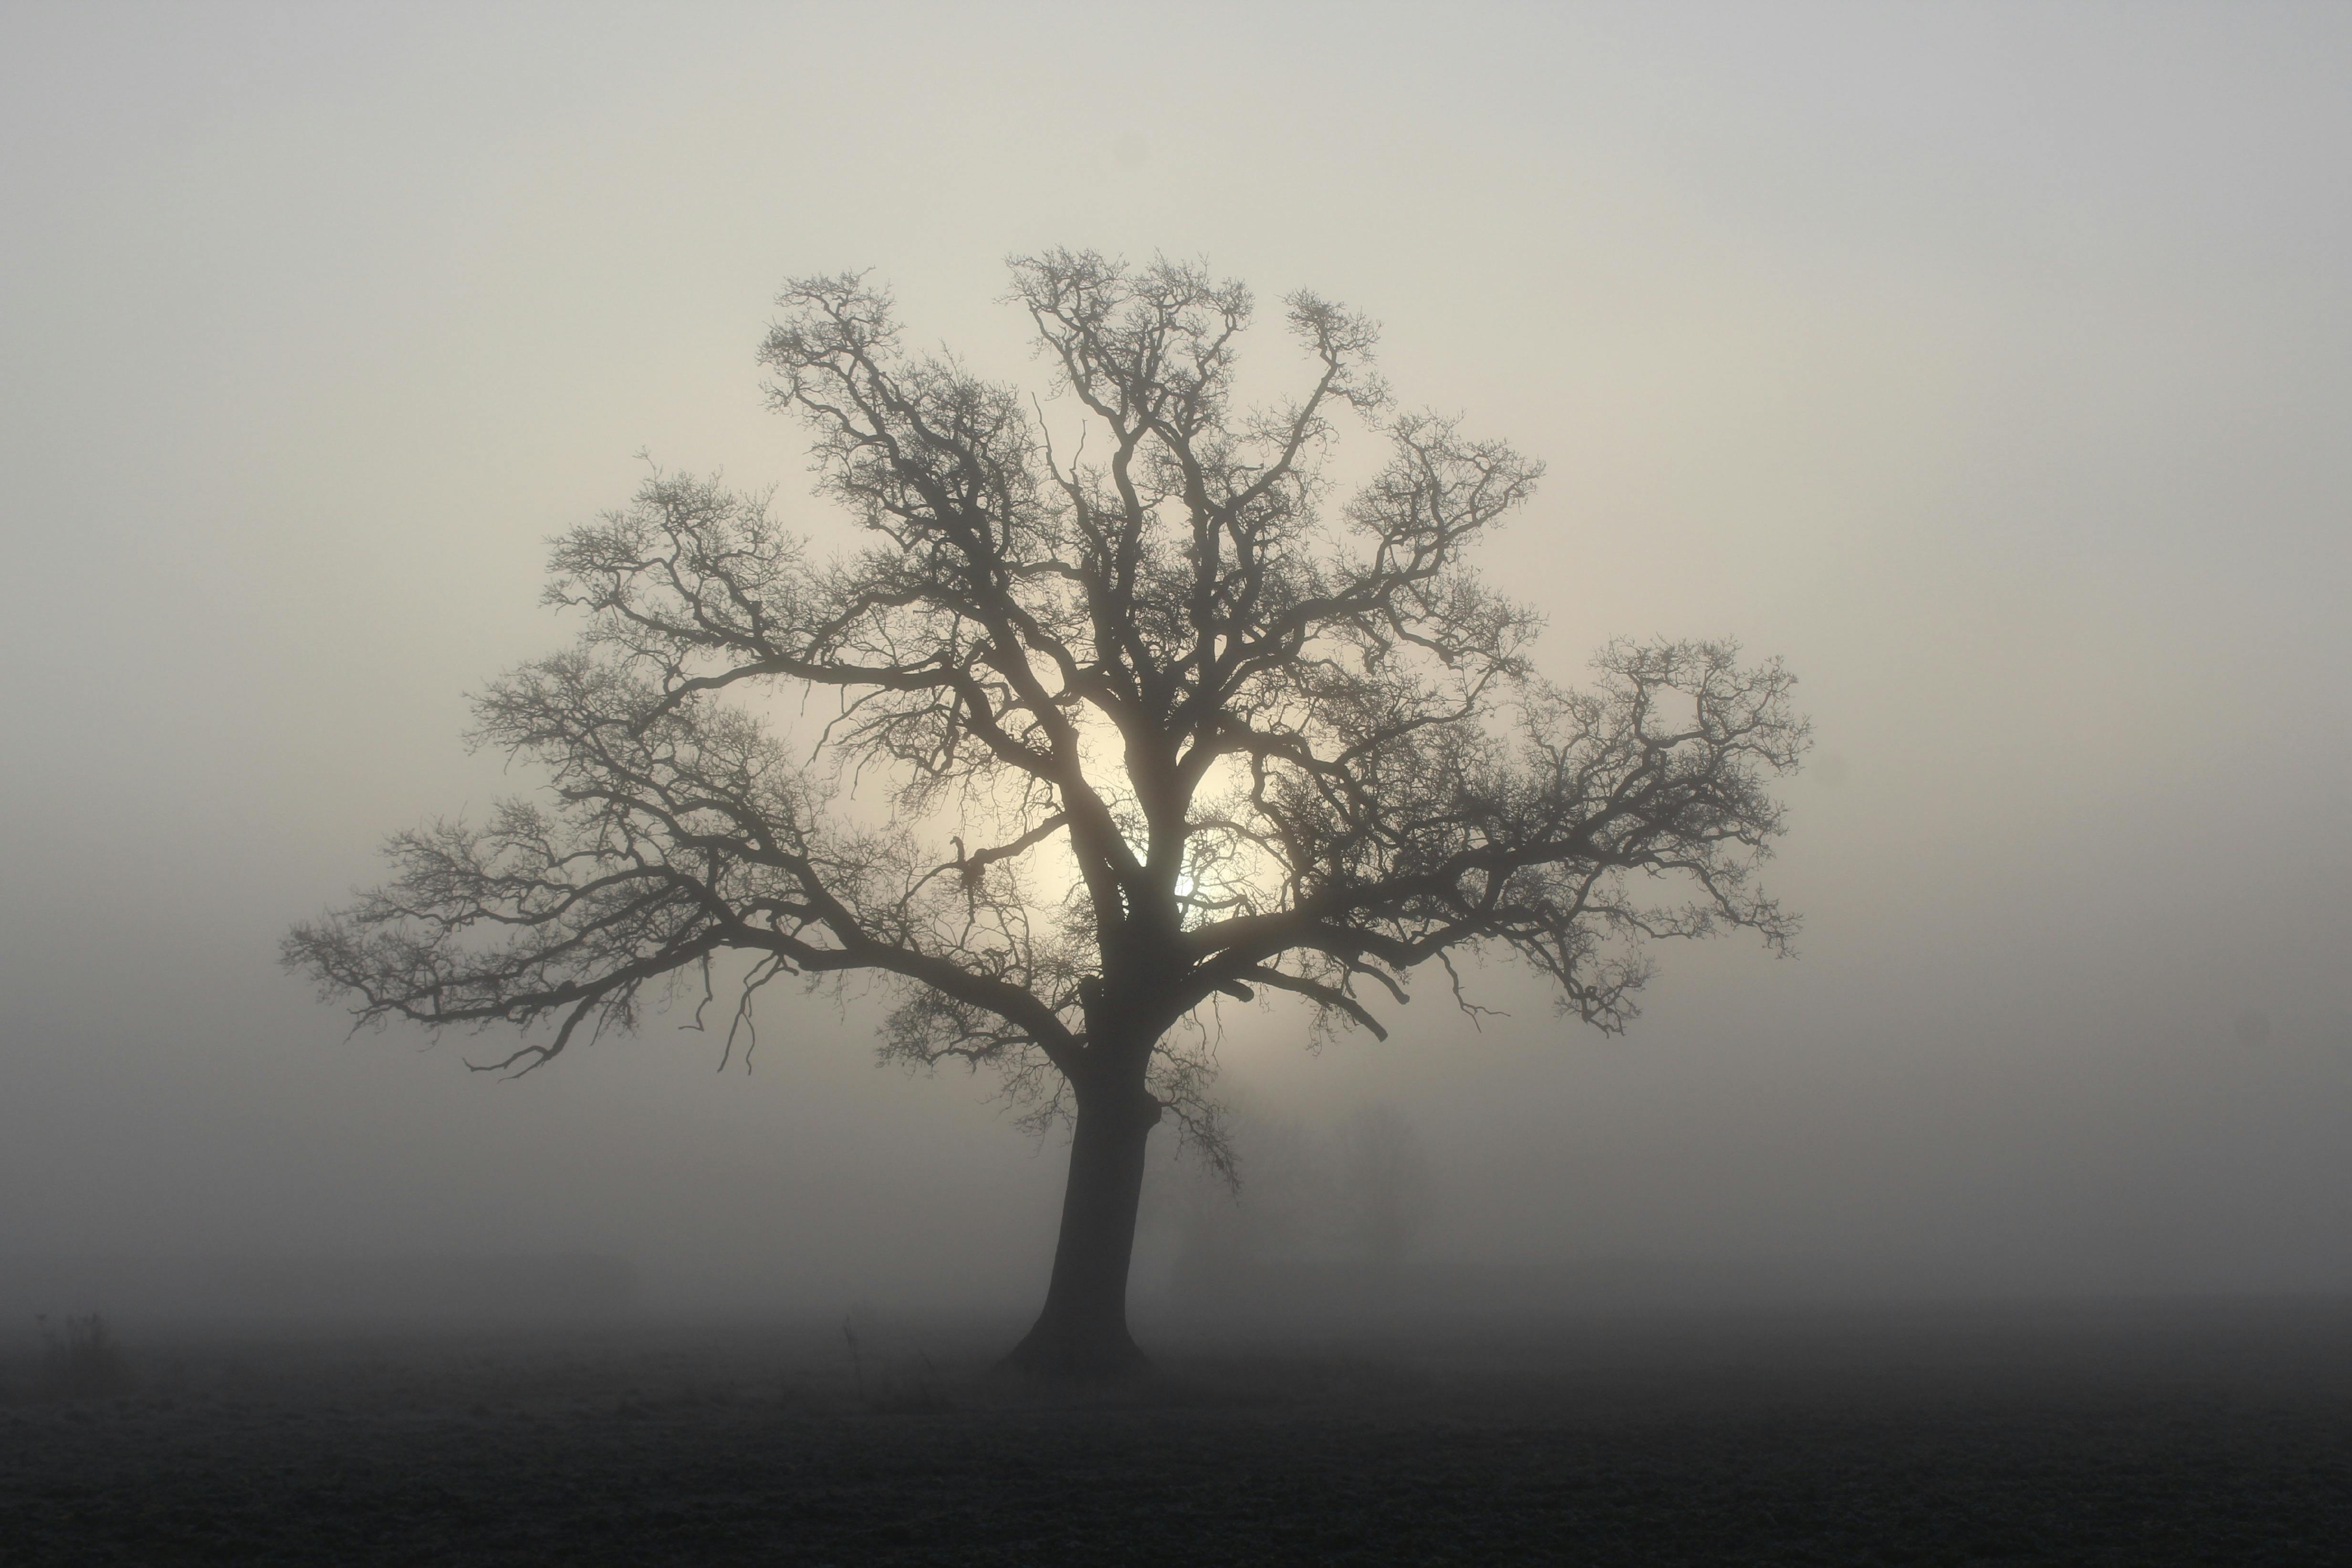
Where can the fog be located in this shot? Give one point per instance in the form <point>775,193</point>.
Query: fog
<point>1990,364</point>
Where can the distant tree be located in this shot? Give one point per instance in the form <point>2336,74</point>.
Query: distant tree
<point>1385,1181</point>
<point>1154,728</point>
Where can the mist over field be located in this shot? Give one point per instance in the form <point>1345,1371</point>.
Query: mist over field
<point>1988,364</point>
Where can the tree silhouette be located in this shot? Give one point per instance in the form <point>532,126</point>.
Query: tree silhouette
<point>1155,729</point>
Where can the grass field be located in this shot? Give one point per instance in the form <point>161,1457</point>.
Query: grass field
<point>2117,1433</point>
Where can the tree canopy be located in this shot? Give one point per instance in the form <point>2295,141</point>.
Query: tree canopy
<point>1158,724</point>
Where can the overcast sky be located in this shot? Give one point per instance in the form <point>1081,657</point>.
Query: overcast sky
<point>1993,365</point>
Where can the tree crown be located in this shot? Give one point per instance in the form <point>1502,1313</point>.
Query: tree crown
<point>1156,724</point>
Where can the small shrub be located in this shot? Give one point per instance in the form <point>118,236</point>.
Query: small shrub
<point>81,1360</point>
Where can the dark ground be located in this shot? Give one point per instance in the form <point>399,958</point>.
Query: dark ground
<point>2112,1434</point>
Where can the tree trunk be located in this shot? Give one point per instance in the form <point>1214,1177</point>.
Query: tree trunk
<point>1082,1333</point>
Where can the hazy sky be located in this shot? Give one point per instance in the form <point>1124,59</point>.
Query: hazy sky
<point>1993,365</point>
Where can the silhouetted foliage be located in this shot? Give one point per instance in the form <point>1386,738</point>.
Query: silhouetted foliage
<point>1156,725</point>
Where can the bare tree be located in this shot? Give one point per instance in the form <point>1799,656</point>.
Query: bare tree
<point>1156,730</point>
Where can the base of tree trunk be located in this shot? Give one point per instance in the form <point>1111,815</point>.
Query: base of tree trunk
<point>1056,1353</point>
<point>1081,1335</point>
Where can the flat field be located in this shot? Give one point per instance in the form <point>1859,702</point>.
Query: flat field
<point>2115,1433</point>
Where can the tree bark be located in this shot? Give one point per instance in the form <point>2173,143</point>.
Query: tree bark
<point>1082,1333</point>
